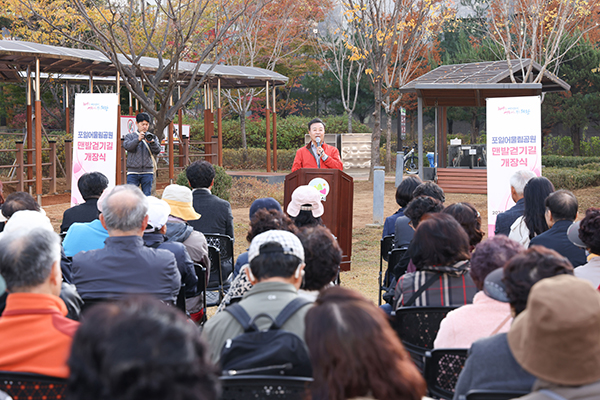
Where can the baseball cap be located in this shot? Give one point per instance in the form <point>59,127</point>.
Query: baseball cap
<point>305,198</point>
<point>158,213</point>
<point>288,243</point>
<point>268,203</point>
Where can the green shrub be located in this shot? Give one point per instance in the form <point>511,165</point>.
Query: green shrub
<point>256,159</point>
<point>551,161</point>
<point>220,188</point>
<point>572,178</point>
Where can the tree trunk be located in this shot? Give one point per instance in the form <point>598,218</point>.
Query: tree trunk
<point>575,135</point>
<point>243,130</point>
<point>474,126</point>
<point>388,144</point>
<point>349,121</point>
<point>376,135</point>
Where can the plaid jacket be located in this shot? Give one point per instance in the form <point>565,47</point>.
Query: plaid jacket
<point>453,287</point>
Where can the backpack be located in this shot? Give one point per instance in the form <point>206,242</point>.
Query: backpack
<point>270,352</point>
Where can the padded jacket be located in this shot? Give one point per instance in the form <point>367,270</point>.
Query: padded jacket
<point>138,158</point>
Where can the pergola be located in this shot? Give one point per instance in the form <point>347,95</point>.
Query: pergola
<point>19,60</point>
<point>469,85</point>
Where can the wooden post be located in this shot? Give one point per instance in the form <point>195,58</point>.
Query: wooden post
<point>274,131</point>
<point>91,82</point>
<point>123,157</point>
<point>220,122</point>
<point>38,134</point>
<point>171,147</point>
<point>69,161</point>
<point>268,126</point>
<point>207,123</point>
<point>182,142</point>
<point>67,110</point>
<point>29,128</point>
<point>118,141</point>
<point>137,109</point>
<point>20,168</point>
<point>52,144</point>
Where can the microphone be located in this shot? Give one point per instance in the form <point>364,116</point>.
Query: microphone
<point>318,140</point>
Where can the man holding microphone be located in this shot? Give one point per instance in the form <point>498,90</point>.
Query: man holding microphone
<point>317,154</point>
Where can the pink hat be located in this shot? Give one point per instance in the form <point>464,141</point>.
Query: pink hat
<point>305,198</point>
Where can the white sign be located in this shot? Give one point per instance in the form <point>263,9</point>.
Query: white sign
<point>128,126</point>
<point>94,138</point>
<point>514,142</point>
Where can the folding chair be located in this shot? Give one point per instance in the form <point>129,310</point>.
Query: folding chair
<point>417,328</point>
<point>385,247</point>
<point>25,386</point>
<point>214,290</point>
<point>442,367</point>
<point>243,387</point>
<point>225,245</point>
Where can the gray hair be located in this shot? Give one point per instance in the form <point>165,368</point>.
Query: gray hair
<point>26,257</point>
<point>520,179</point>
<point>128,213</point>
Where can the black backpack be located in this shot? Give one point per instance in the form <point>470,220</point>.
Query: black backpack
<point>270,352</point>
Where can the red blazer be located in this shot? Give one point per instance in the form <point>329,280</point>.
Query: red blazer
<point>306,159</point>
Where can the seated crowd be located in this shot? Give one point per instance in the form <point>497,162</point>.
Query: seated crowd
<point>102,310</point>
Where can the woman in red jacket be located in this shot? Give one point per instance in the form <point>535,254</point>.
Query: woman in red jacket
<point>317,154</point>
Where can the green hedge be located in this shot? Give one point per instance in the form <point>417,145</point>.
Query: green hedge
<point>567,162</point>
<point>237,159</point>
<point>572,178</point>
<point>290,131</point>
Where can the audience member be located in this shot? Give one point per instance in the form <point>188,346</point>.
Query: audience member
<point>28,219</point>
<point>19,201</point>
<point>421,205</point>
<point>306,208</point>
<point>322,255</point>
<point>355,353</point>
<point>263,220</point>
<point>125,266</point>
<point>91,185</point>
<point>85,236</point>
<point>404,194</point>
<point>561,211</point>
<point>491,364</point>
<point>430,189</point>
<point>533,221</point>
<point>469,218</point>
<point>440,252</point>
<point>276,272</point>
<point>216,212</point>
<point>179,198</point>
<point>265,203</point>
<point>589,236</point>
<point>517,183</point>
<point>154,236</point>
<point>139,349</point>
<point>487,315</point>
<point>556,339</point>
<point>35,335</point>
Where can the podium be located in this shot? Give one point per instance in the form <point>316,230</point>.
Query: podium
<point>338,204</point>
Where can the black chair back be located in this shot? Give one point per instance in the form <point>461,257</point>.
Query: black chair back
<point>225,245</point>
<point>442,367</point>
<point>417,328</point>
<point>180,301</point>
<point>493,395</point>
<point>25,386</point>
<point>246,387</point>
<point>395,257</point>
<point>214,290</point>
<point>384,248</point>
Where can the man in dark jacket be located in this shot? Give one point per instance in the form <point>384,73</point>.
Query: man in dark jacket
<point>561,211</point>
<point>216,216</point>
<point>142,146</point>
<point>517,184</point>
<point>91,185</point>
<point>125,266</point>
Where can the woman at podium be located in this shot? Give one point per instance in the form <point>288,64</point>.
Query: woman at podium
<point>317,154</point>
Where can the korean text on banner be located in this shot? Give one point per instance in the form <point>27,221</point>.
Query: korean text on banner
<point>514,142</point>
<point>94,138</point>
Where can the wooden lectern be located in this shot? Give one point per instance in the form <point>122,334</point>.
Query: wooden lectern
<point>338,205</point>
